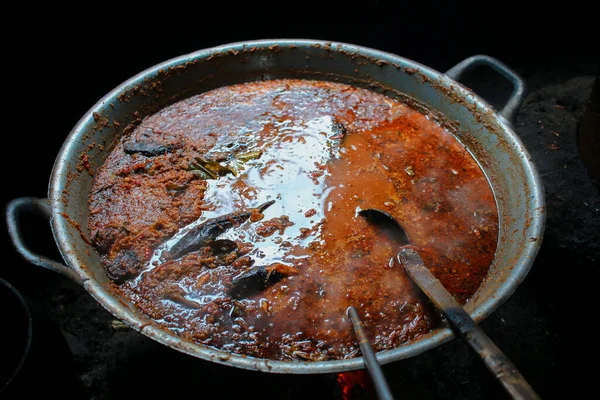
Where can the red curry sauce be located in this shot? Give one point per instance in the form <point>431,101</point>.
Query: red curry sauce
<point>321,151</point>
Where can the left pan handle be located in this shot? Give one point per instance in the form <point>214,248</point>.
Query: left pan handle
<point>43,208</point>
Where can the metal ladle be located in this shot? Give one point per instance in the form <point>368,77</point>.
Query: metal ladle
<point>462,323</point>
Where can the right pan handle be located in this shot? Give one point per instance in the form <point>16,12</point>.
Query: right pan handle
<point>509,111</point>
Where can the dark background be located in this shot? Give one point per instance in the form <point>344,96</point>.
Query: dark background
<point>58,62</point>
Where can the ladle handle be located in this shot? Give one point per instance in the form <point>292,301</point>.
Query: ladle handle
<point>495,360</point>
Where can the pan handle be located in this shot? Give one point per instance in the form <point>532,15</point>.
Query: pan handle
<point>41,207</point>
<point>509,111</point>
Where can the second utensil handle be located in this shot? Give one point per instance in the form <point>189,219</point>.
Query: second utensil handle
<point>379,382</point>
<point>495,360</point>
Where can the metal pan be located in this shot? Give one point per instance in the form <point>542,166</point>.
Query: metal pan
<point>487,134</point>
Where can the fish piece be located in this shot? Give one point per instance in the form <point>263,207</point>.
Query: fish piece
<point>209,230</point>
<point>146,144</point>
<point>149,149</point>
<point>124,266</point>
<point>222,246</point>
<point>257,278</point>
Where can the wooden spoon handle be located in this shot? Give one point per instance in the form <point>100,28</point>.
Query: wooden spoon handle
<point>495,360</point>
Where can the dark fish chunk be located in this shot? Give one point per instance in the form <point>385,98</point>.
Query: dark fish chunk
<point>146,148</point>
<point>222,246</point>
<point>124,266</point>
<point>210,229</point>
<point>258,278</point>
<point>146,145</point>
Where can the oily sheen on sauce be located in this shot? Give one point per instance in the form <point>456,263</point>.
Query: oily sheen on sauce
<point>322,151</point>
